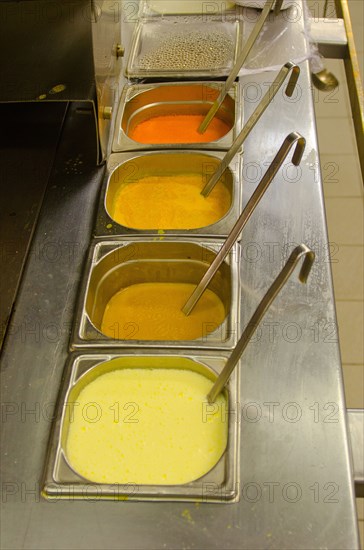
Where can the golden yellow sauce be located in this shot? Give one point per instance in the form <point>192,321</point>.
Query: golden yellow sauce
<point>146,426</point>
<point>169,202</point>
<point>152,311</point>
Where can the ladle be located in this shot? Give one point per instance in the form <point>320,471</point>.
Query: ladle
<point>233,236</point>
<point>322,79</point>
<point>253,119</point>
<point>240,61</point>
<point>297,254</point>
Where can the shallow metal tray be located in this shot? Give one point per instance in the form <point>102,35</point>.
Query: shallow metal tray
<point>149,32</point>
<point>125,168</point>
<point>113,265</point>
<point>139,102</point>
<point>220,484</point>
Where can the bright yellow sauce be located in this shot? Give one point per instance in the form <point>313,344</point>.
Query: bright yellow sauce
<point>152,311</point>
<point>169,202</point>
<point>146,426</point>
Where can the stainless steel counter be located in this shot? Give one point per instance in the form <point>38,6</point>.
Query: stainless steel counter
<point>296,486</point>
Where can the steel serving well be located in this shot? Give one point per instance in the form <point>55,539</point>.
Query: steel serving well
<point>118,265</point>
<point>128,169</point>
<point>141,103</point>
<point>194,46</point>
<point>219,484</point>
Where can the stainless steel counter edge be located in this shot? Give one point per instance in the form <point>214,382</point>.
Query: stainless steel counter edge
<point>296,473</point>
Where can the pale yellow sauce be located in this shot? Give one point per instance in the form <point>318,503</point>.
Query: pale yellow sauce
<point>169,202</point>
<point>146,426</point>
<point>152,311</point>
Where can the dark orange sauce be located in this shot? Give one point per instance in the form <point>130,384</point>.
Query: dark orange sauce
<point>178,129</point>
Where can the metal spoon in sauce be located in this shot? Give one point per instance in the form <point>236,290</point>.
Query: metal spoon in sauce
<point>291,139</point>
<point>300,251</point>
<point>289,67</point>
<point>240,61</point>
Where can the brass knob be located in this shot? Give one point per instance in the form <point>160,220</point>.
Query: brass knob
<point>119,50</point>
<point>106,113</point>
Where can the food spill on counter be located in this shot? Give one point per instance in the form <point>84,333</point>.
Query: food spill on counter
<point>178,129</point>
<point>187,515</point>
<point>156,435</point>
<point>169,202</point>
<point>152,311</point>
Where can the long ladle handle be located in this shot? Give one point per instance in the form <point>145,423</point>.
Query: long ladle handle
<point>299,251</point>
<point>239,62</point>
<point>290,140</point>
<point>253,119</point>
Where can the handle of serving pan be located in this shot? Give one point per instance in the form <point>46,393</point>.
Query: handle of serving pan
<point>299,252</point>
<point>291,139</point>
<point>240,61</point>
<point>267,99</point>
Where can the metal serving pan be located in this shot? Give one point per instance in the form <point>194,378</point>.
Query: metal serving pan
<point>114,265</point>
<point>61,481</point>
<point>126,168</point>
<point>195,46</point>
<point>140,102</point>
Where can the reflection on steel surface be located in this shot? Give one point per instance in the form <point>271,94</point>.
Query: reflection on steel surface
<point>291,139</point>
<point>280,281</point>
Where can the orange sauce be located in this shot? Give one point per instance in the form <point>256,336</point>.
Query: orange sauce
<point>178,129</point>
<point>169,202</point>
<point>152,311</point>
